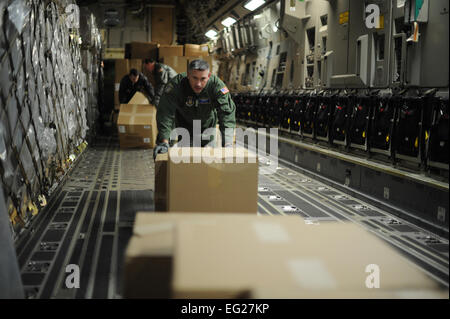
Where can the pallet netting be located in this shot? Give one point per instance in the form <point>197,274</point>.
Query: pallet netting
<point>48,103</point>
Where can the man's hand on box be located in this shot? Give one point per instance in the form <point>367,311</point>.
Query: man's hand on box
<point>161,148</point>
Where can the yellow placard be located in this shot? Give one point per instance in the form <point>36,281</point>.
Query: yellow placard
<point>343,17</point>
<point>381,22</point>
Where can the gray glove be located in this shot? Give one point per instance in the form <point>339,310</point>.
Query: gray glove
<point>161,148</point>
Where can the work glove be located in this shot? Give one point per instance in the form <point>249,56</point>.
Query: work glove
<point>161,148</point>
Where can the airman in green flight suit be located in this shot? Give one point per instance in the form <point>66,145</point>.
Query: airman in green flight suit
<point>191,97</point>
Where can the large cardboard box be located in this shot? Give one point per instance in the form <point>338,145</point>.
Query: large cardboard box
<point>161,162</point>
<point>278,256</point>
<point>150,252</point>
<point>243,255</point>
<point>196,50</point>
<point>170,50</point>
<point>178,63</point>
<point>143,50</point>
<point>137,126</point>
<point>212,180</point>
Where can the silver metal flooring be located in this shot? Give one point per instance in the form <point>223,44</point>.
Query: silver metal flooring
<point>90,218</point>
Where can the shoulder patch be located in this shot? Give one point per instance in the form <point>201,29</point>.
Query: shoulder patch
<point>225,90</point>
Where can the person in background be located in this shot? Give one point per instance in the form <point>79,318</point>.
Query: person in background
<point>135,82</point>
<point>161,74</point>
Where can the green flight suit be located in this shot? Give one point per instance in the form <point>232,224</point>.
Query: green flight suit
<point>163,74</point>
<point>181,105</point>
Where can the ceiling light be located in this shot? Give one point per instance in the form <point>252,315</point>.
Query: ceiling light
<point>254,4</point>
<point>211,34</point>
<point>228,21</point>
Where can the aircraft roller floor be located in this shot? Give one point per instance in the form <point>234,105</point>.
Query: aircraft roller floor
<point>89,219</point>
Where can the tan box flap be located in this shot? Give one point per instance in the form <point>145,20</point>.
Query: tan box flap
<point>139,98</point>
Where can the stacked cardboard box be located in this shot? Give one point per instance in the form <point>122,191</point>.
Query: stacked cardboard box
<point>179,57</point>
<point>141,50</point>
<point>178,63</point>
<point>238,255</point>
<point>170,50</point>
<point>191,50</point>
<point>173,56</point>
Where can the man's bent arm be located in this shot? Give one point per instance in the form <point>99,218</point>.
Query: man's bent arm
<point>165,116</point>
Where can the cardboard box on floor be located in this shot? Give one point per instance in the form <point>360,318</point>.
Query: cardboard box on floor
<point>239,255</point>
<point>137,126</point>
<point>212,180</point>
<point>196,50</point>
<point>331,258</point>
<point>150,252</point>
